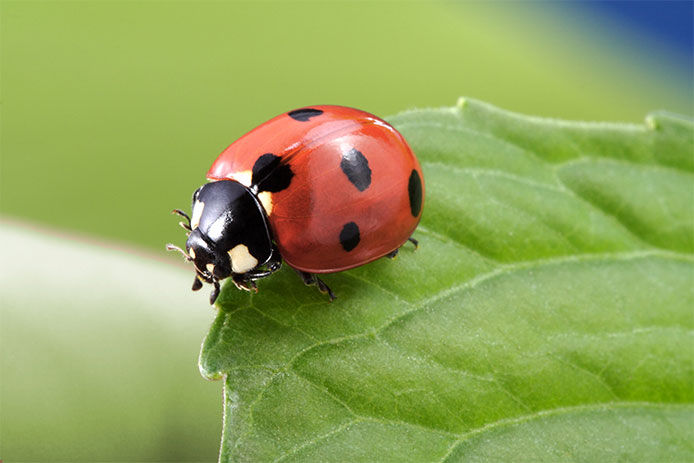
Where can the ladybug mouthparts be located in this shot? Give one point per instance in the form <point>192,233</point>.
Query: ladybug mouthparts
<point>201,274</point>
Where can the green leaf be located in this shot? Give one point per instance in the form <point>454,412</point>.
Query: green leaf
<point>547,314</point>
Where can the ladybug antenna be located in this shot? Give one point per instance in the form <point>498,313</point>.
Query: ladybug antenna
<point>171,247</point>
<point>184,215</point>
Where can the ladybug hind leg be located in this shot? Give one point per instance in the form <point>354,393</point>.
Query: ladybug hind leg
<point>393,254</point>
<point>310,279</point>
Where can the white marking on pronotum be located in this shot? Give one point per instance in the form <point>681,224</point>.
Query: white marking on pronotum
<point>191,253</point>
<point>210,268</point>
<point>197,213</point>
<point>243,177</point>
<point>241,260</point>
<point>265,198</point>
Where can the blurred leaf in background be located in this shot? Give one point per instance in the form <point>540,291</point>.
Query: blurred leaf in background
<point>113,111</point>
<point>99,346</point>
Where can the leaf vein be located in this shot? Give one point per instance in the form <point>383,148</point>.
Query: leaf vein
<point>553,412</point>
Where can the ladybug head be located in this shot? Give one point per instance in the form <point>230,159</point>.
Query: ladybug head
<point>228,234</point>
<point>210,263</point>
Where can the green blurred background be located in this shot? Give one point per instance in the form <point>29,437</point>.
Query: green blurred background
<point>113,111</point>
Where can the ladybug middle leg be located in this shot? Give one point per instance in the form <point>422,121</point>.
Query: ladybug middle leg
<point>311,279</point>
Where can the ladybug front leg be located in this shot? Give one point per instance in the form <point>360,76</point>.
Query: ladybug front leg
<point>244,283</point>
<point>215,292</point>
<point>310,279</point>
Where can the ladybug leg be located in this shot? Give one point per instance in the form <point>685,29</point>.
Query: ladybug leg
<point>215,292</point>
<point>325,289</point>
<point>244,282</point>
<point>392,254</point>
<point>257,275</point>
<point>310,279</point>
<point>273,264</point>
<point>197,284</point>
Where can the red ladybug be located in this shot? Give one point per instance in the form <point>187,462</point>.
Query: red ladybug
<point>326,188</point>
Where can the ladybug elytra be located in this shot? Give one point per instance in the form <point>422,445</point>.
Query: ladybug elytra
<point>324,188</point>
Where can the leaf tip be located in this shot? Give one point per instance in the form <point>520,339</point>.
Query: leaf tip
<point>210,374</point>
<point>665,120</point>
<point>461,103</point>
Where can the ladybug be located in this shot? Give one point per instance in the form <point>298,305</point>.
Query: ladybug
<point>324,188</point>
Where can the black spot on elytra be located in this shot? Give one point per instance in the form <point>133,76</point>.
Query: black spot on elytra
<point>349,236</point>
<point>304,114</point>
<point>414,189</point>
<point>271,174</point>
<point>356,168</point>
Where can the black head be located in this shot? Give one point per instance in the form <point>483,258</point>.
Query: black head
<point>228,233</point>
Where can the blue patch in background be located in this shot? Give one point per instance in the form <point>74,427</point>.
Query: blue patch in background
<point>669,22</point>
